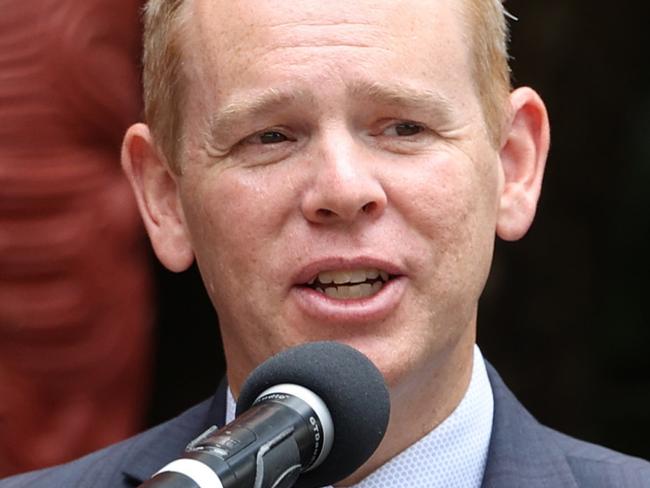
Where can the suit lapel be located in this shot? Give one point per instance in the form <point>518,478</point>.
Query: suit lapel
<point>167,442</point>
<point>521,451</point>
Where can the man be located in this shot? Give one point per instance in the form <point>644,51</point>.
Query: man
<point>339,171</point>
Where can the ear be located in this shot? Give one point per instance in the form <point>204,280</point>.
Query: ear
<point>156,192</point>
<point>523,158</point>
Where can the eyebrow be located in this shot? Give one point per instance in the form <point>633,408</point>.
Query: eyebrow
<point>403,95</point>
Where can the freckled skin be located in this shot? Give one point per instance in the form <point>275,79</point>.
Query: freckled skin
<point>339,178</point>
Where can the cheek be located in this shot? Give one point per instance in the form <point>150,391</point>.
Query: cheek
<point>442,199</point>
<point>452,208</point>
<point>236,219</point>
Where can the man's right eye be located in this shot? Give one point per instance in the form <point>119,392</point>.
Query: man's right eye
<point>264,147</point>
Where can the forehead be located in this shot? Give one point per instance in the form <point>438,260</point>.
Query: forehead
<point>231,44</point>
<point>250,18</point>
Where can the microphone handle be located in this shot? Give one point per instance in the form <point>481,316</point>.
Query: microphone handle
<point>265,447</point>
<point>274,470</point>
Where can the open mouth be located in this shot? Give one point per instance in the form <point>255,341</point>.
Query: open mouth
<point>350,284</point>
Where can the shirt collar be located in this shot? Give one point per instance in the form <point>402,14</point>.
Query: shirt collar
<point>453,455</point>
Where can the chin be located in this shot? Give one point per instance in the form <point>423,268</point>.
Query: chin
<point>393,362</point>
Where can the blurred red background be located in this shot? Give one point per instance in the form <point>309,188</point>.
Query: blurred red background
<point>75,283</point>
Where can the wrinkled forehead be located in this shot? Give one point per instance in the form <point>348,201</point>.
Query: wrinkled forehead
<point>230,36</point>
<point>253,18</point>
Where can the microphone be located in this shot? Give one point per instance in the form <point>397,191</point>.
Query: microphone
<point>308,417</point>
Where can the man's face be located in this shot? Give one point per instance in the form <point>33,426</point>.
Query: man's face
<point>338,182</point>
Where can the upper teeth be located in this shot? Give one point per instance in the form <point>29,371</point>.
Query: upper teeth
<point>350,276</point>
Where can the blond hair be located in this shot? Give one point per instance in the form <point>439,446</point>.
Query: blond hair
<point>488,25</point>
<point>164,85</point>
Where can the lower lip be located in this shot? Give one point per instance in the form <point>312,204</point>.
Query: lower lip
<point>374,308</point>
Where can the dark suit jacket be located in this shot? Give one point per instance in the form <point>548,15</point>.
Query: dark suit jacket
<point>523,454</point>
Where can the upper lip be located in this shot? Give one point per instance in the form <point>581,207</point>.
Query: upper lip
<point>311,270</point>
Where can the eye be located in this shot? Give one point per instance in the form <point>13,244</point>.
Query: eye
<point>404,129</point>
<point>266,146</point>
<point>403,136</point>
<point>271,137</point>
<point>267,137</point>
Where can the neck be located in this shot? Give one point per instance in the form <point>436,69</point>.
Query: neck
<point>421,402</point>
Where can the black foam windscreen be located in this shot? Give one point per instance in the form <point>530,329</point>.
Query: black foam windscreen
<point>353,390</point>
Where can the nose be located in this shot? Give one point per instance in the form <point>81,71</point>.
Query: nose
<point>344,185</point>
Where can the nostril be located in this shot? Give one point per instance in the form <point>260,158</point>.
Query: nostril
<point>324,212</point>
<point>369,207</point>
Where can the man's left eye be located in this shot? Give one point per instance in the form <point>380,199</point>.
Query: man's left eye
<point>404,129</point>
<point>272,137</point>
